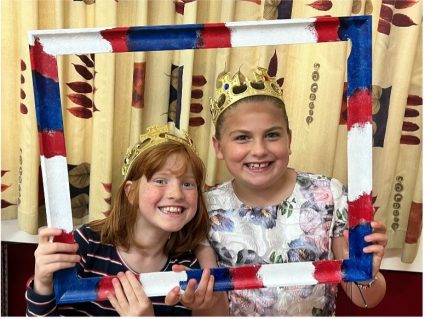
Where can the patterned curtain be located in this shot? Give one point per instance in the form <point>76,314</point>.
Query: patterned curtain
<point>108,99</point>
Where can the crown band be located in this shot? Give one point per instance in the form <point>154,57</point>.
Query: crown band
<point>232,89</point>
<point>154,136</point>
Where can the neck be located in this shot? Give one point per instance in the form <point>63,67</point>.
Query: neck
<point>272,195</point>
<point>147,254</point>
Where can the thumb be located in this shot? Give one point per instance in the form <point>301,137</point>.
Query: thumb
<point>173,296</point>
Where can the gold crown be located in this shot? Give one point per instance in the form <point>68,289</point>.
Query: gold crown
<point>232,89</point>
<point>154,136</point>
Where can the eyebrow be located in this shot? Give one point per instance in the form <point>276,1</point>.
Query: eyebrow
<point>248,131</point>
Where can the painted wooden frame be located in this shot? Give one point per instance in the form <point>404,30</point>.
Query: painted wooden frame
<point>46,45</point>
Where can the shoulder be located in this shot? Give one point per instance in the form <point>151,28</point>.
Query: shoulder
<point>221,197</point>
<point>310,182</point>
<point>218,189</point>
<point>305,178</point>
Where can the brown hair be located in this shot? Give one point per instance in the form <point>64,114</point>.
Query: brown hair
<point>118,227</point>
<point>253,98</point>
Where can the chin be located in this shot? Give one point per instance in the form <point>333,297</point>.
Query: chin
<point>173,229</point>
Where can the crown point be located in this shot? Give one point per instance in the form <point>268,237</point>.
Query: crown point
<point>156,135</point>
<point>237,87</point>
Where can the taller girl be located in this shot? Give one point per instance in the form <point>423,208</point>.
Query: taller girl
<point>270,213</point>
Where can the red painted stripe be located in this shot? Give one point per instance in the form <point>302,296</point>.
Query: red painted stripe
<point>52,143</point>
<point>245,277</point>
<point>65,237</point>
<point>328,271</point>
<point>42,62</point>
<point>359,108</point>
<point>117,37</point>
<point>104,285</point>
<point>360,210</point>
<point>327,29</point>
<point>215,35</point>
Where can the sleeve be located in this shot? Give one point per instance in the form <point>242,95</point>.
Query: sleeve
<point>340,216</point>
<point>39,305</point>
<point>81,237</point>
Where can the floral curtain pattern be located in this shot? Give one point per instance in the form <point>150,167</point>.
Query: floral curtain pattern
<point>108,99</point>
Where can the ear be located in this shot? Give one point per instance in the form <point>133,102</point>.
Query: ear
<point>217,148</point>
<point>128,188</point>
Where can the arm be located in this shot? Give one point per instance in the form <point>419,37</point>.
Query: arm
<point>49,257</point>
<point>375,293</point>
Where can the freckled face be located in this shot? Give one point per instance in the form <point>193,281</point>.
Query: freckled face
<point>255,144</point>
<point>167,201</point>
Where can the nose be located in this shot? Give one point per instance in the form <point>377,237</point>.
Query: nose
<point>259,148</point>
<point>174,191</point>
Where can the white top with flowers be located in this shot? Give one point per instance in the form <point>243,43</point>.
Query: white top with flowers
<point>296,230</point>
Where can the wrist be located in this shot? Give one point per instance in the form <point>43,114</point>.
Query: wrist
<point>366,284</point>
<point>41,288</point>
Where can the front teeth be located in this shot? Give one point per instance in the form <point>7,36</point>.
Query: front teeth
<point>257,165</point>
<point>171,210</point>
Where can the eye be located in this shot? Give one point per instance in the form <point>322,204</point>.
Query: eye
<point>273,135</point>
<point>189,185</point>
<point>242,138</point>
<point>159,181</point>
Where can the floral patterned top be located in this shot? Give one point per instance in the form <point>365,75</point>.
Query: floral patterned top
<point>298,229</point>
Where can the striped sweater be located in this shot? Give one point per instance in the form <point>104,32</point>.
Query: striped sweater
<point>101,260</point>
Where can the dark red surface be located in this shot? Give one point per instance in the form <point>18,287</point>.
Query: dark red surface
<point>403,298</point>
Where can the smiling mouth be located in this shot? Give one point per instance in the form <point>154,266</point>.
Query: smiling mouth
<point>258,166</point>
<point>171,210</point>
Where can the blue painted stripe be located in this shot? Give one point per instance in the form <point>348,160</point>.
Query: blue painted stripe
<point>359,31</point>
<point>60,278</point>
<point>84,291</point>
<point>222,278</point>
<point>71,289</point>
<point>157,38</point>
<point>47,103</point>
<point>359,266</point>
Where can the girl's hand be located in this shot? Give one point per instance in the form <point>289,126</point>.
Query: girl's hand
<point>199,298</point>
<point>130,298</point>
<point>51,257</point>
<point>378,240</point>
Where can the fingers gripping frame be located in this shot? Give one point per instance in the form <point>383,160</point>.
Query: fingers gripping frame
<point>46,45</point>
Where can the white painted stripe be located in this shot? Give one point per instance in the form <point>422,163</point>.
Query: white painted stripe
<point>56,192</point>
<point>359,148</point>
<point>288,274</point>
<point>71,41</point>
<point>160,283</point>
<point>273,32</point>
